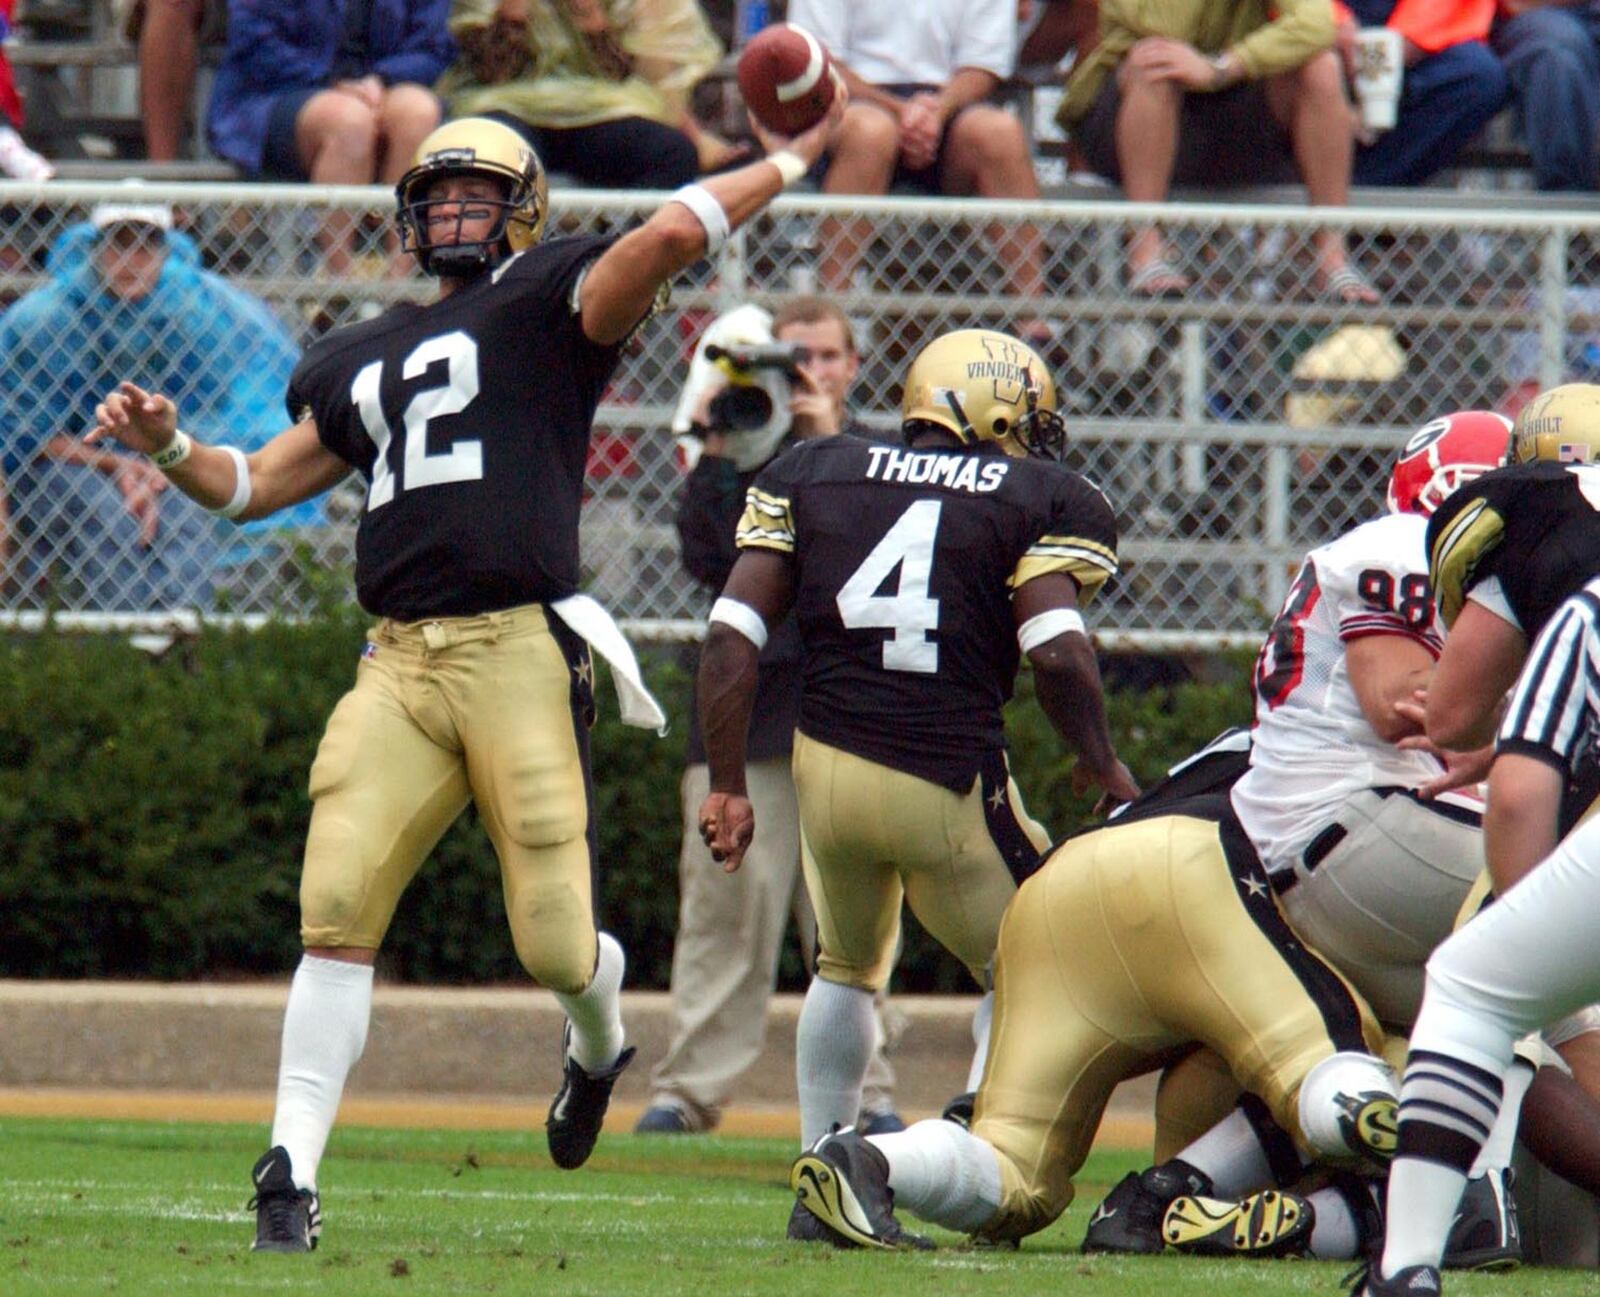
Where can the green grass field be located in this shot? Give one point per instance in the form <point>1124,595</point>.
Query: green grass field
<point>157,1209</point>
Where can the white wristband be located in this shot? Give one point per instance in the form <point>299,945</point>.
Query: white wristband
<point>708,211</point>
<point>1047,625</point>
<point>174,452</point>
<point>743,618</point>
<point>241,484</point>
<point>791,166</point>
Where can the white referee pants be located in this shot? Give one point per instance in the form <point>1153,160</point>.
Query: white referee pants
<point>1525,961</point>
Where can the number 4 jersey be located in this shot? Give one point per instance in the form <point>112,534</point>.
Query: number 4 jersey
<point>469,418</point>
<point>905,563</point>
<point>1312,746</point>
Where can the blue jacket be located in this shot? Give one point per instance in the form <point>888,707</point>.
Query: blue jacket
<point>275,46</point>
<point>220,354</point>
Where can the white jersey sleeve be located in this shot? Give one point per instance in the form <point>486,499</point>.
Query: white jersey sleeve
<point>1312,744</point>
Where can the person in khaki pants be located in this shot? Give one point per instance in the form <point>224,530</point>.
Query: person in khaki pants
<point>731,926</point>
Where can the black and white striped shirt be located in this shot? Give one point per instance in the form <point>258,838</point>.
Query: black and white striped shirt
<point>1554,713</point>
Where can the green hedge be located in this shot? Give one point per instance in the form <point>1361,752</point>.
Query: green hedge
<point>152,810</point>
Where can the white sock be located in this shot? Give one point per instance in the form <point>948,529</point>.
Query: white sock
<point>1495,1155</point>
<point>596,1011</point>
<point>982,1020</point>
<point>1422,1202</point>
<point>833,1044</point>
<point>324,1032</point>
<point>943,1174</point>
<point>1231,1154</point>
<point>1335,1236</point>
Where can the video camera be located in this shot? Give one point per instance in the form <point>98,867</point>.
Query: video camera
<point>757,397</point>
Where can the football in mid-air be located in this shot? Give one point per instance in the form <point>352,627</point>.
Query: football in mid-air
<point>787,78</point>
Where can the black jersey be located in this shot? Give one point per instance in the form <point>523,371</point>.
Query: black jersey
<point>470,419</point>
<point>1534,527</point>
<point>905,563</point>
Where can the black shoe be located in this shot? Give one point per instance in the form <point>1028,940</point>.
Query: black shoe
<point>663,1119</point>
<point>1130,1217</point>
<point>959,1109</point>
<point>1413,1281</point>
<point>1270,1223</point>
<point>1485,1235</point>
<point>580,1106</point>
<point>806,1228</point>
<point>287,1219</point>
<point>844,1182</point>
<point>886,1122</point>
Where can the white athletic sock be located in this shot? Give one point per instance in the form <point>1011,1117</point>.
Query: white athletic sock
<point>1422,1202</point>
<point>596,1011</point>
<point>982,1020</point>
<point>1335,1236</point>
<point>1495,1155</point>
<point>324,1032</point>
<point>943,1174</point>
<point>1230,1153</point>
<point>833,1044</point>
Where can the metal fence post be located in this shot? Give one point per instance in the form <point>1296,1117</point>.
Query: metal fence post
<point>1553,306</point>
<point>1192,404</point>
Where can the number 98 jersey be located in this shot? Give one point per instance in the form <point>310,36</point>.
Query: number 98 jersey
<point>905,561</point>
<point>469,418</point>
<point>1312,746</point>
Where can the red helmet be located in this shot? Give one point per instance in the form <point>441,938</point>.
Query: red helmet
<point>1445,454</point>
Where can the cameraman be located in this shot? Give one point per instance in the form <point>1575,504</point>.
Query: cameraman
<point>730,926</point>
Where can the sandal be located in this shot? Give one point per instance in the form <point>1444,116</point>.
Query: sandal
<point>1159,278</point>
<point>1347,286</point>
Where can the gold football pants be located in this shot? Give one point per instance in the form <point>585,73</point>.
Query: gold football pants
<point>1129,942</point>
<point>492,709</point>
<point>872,836</point>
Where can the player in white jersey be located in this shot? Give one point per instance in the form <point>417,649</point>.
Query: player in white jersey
<point>1370,869</point>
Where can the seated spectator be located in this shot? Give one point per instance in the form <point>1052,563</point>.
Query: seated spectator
<point>16,158</point>
<point>169,35</point>
<point>921,78</point>
<point>1211,94</point>
<point>1551,53</point>
<point>126,298</point>
<point>1453,84</point>
<point>600,88</point>
<point>331,93</point>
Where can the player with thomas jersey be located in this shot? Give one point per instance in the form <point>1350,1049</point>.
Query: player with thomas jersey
<point>917,575</point>
<point>469,417</point>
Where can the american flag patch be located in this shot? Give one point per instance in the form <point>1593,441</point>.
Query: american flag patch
<point>1572,452</point>
<point>369,650</point>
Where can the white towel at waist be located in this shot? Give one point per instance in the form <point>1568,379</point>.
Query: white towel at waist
<point>587,618</point>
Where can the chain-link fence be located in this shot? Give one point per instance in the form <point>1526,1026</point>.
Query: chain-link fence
<point>1231,427</point>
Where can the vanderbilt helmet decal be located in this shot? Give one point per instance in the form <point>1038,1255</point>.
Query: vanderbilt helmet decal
<point>985,386</point>
<point>473,146</point>
<point>1561,424</point>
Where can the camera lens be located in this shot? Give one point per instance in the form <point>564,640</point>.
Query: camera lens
<point>740,409</point>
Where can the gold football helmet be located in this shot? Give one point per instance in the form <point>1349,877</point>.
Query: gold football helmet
<point>1561,424</point>
<point>982,386</point>
<point>480,147</point>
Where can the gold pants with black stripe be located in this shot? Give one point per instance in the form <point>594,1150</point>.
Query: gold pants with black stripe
<point>871,836</point>
<point>1129,942</point>
<point>492,709</point>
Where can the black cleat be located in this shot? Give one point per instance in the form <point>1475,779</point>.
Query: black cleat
<point>1484,1235</point>
<point>1270,1223</point>
<point>1129,1219</point>
<point>1413,1281</point>
<point>287,1219</point>
<point>580,1106</point>
<point>843,1182</point>
<point>806,1228</point>
<point>959,1109</point>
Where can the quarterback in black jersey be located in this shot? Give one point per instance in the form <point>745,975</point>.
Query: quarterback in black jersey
<point>1504,551</point>
<point>469,418</point>
<point>916,574</point>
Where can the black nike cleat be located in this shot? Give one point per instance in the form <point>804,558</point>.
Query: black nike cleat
<point>843,1182</point>
<point>1270,1223</point>
<point>959,1109</point>
<point>1413,1281</point>
<point>580,1106</point>
<point>806,1228</point>
<point>1484,1234</point>
<point>1129,1219</point>
<point>287,1219</point>
<point>1370,1125</point>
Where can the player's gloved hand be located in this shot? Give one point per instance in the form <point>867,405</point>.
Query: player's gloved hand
<point>142,421</point>
<point>727,823</point>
